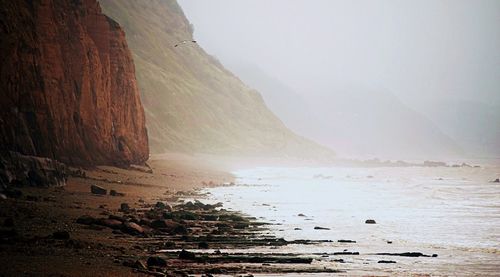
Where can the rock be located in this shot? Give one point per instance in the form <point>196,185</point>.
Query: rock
<point>346,241</point>
<point>302,215</point>
<point>389,242</point>
<point>386,262</point>
<point>110,223</point>
<point>73,94</point>
<point>186,255</point>
<point>434,255</point>
<point>297,229</point>
<point>159,223</point>
<point>116,217</point>
<point>405,254</point>
<point>140,264</point>
<point>23,170</point>
<point>86,220</point>
<point>203,245</point>
<point>156,261</point>
<point>370,221</point>
<point>321,228</point>
<point>95,189</point>
<point>124,207</point>
<point>169,226</point>
<point>497,180</point>
<point>163,206</point>
<point>132,228</point>
<point>60,235</point>
<point>115,193</point>
<point>160,205</point>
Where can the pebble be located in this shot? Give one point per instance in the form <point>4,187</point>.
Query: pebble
<point>95,189</point>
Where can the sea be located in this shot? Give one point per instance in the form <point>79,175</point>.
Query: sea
<point>453,213</point>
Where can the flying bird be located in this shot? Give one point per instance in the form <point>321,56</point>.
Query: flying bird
<point>184,42</point>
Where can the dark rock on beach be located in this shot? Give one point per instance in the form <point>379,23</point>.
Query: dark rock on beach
<point>95,189</point>
<point>407,254</point>
<point>321,228</point>
<point>156,261</point>
<point>370,221</point>
<point>110,223</point>
<point>132,228</point>
<point>22,170</point>
<point>186,255</point>
<point>124,207</point>
<point>346,241</point>
<point>116,193</point>
<point>386,262</point>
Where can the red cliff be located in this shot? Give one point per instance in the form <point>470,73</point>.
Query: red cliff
<point>67,84</point>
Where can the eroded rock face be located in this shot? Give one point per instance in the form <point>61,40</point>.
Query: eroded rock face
<point>21,170</point>
<point>67,84</point>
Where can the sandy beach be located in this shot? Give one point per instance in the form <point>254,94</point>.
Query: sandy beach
<point>70,231</point>
<point>29,220</point>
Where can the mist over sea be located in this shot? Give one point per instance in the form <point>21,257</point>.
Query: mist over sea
<point>451,212</point>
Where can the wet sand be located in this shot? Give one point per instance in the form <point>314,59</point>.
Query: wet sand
<point>69,231</point>
<point>163,216</point>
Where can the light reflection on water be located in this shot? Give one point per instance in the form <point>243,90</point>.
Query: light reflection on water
<point>454,213</point>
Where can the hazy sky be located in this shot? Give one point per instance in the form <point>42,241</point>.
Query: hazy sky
<point>416,49</point>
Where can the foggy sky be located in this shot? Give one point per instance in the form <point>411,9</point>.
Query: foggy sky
<point>418,50</point>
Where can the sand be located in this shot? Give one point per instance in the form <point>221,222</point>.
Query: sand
<point>40,212</point>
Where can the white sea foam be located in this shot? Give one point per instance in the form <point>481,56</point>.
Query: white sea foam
<point>452,212</point>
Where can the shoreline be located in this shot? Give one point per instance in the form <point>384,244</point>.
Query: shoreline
<point>106,238</point>
<point>70,231</point>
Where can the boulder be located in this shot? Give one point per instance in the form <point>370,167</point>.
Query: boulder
<point>115,193</point>
<point>156,261</point>
<point>124,207</point>
<point>163,206</point>
<point>132,228</point>
<point>186,255</point>
<point>23,170</point>
<point>95,189</point>
<point>110,223</point>
<point>370,221</point>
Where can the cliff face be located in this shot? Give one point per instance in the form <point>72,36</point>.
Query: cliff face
<point>68,88</point>
<point>192,103</point>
